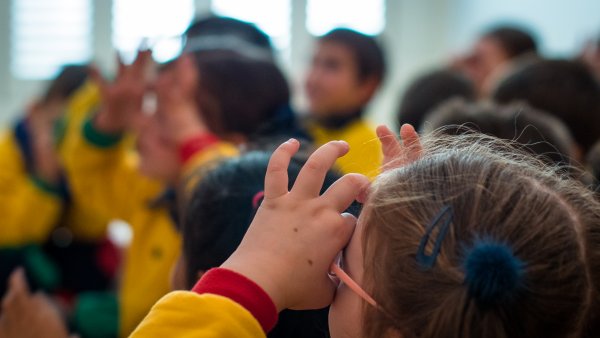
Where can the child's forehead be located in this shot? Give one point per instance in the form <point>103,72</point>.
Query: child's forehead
<point>335,48</point>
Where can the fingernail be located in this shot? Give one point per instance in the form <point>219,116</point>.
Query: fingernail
<point>292,140</point>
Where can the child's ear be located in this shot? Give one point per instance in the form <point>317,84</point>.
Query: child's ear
<point>368,88</point>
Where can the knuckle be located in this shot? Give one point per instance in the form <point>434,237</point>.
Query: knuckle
<point>355,180</point>
<point>339,229</point>
<point>275,168</point>
<point>313,165</point>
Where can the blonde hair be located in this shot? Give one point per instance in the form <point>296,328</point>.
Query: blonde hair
<point>501,198</point>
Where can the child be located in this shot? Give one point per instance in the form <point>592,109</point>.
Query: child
<point>429,91</point>
<point>566,89</point>
<point>29,165</point>
<point>347,69</point>
<point>494,51</point>
<point>218,213</point>
<point>31,178</point>
<point>205,108</point>
<point>541,134</point>
<point>459,237</point>
<point>244,99</point>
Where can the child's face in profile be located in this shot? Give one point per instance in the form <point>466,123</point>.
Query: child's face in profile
<point>332,83</point>
<point>345,313</point>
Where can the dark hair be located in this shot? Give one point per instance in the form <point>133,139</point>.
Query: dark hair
<point>219,211</point>
<point>515,41</point>
<point>430,90</point>
<point>540,133</point>
<point>593,162</point>
<point>242,35</point>
<point>367,53</point>
<point>66,82</point>
<point>244,95</point>
<point>510,258</point>
<point>565,89</point>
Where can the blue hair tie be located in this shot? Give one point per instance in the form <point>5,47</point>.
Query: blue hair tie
<point>492,272</point>
<point>442,220</point>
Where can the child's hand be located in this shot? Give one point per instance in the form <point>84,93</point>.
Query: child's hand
<point>28,315</point>
<point>396,154</point>
<point>122,99</point>
<point>296,234</point>
<point>177,107</point>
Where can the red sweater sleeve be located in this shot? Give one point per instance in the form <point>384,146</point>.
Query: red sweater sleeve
<point>195,144</point>
<point>230,284</point>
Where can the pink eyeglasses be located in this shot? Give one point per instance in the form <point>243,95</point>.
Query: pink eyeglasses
<point>337,271</point>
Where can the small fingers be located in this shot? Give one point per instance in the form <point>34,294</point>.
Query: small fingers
<point>276,179</point>
<point>345,191</point>
<point>140,65</point>
<point>390,145</point>
<point>17,288</point>
<point>121,67</point>
<point>187,73</point>
<point>395,153</point>
<point>411,142</point>
<point>18,282</point>
<point>312,175</point>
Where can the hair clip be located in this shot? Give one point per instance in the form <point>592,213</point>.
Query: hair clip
<point>441,221</point>
<point>257,199</point>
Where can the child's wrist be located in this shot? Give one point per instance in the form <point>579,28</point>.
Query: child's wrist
<point>242,290</point>
<point>104,122</point>
<point>195,144</point>
<point>98,135</point>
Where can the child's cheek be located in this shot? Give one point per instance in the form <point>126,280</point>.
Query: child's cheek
<point>345,314</point>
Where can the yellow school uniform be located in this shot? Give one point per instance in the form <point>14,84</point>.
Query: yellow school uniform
<point>364,156</point>
<point>104,179</point>
<point>186,314</point>
<point>29,207</point>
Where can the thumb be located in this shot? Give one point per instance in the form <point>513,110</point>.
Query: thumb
<point>18,289</point>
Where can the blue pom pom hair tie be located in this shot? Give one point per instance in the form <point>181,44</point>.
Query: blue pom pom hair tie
<point>493,274</point>
<point>441,222</point>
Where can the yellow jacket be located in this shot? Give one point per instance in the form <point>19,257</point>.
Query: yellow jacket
<point>222,304</point>
<point>185,314</point>
<point>29,208</point>
<point>364,156</point>
<point>104,180</point>
<point>84,223</point>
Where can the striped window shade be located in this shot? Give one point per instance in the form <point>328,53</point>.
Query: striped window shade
<point>46,35</point>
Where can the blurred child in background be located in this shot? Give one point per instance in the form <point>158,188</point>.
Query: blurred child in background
<point>346,70</point>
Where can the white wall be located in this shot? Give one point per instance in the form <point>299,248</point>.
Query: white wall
<point>562,26</point>
<point>419,34</point>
